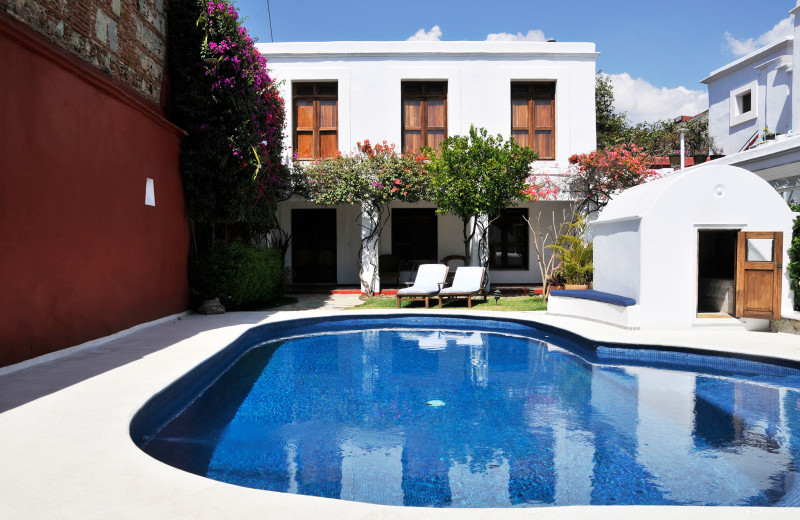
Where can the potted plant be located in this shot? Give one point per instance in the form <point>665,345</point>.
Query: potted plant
<point>700,158</point>
<point>556,281</point>
<point>574,253</point>
<point>768,136</point>
<point>675,159</point>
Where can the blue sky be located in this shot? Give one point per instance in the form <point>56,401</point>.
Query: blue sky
<point>656,52</point>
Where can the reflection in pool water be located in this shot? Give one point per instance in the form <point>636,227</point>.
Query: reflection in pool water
<point>522,422</point>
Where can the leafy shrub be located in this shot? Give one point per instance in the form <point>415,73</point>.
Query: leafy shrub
<point>242,276</point>
<point>794,255</point>
<point>575,253</point>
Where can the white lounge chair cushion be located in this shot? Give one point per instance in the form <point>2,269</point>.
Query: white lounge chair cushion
<point>467,281</point>
<point>430,278</point>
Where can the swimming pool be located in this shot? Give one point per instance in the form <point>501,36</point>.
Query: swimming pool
<point>452,412</point>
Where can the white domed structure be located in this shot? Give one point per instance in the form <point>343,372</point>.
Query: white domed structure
<point>707,243</point>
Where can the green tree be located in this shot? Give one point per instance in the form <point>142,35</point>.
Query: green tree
<point>373,177</point>
<point>662,138</point>
<point>478,175</point>
<point>611,126</point>
<point>656,139</point>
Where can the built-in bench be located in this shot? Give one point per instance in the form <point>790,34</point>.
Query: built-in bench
<point>599,306</point>
<point>598,296</point>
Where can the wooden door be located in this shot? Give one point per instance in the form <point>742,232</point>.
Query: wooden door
<point>314,245</point>
<point>759,267</point>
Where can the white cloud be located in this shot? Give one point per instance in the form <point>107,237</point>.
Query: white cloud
<point>435,34</point>
<point>643,101</point>
<point>741,47</point>
<point>534,35</point>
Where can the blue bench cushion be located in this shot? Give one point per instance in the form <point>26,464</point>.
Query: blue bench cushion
<point>591,294</point>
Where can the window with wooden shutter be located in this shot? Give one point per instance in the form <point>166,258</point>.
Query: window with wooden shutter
<point>316,119</point>
<point>424,115</point>
<point>533,117</point>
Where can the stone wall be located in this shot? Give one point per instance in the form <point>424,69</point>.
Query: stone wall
<point>785,325</point>
<point>125,39</point>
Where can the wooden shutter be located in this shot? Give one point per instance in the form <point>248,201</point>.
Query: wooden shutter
<point>759,268</point>
<point>533,117</point>
<point>316,120</point>
<point>328,124</point>
<point>520,127</point>
<point>412,124</point>
<point>304,118</point>
<point>424,107</point>
<point>543,116</point>
<point>435,126</point>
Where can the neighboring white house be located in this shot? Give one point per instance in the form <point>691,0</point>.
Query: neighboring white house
<point>418,93</point>
<point>691,249</point>
<point>758,91</point>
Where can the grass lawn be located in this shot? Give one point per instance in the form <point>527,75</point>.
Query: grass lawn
<point>506,303</point>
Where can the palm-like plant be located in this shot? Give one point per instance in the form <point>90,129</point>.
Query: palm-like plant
<point>574,253</point>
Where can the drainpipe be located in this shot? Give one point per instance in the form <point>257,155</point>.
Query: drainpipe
<point>795,90</point>
<point>683,157</point>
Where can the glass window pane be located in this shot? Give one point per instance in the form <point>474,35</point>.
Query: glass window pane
<point>328,89</point>
<point>303,89</point>
<point>517,240</point>
<point>508,240</point>
<point>759,250</point>
<point>414,234</point>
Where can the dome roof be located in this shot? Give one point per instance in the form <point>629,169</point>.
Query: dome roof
<point>696,191</point>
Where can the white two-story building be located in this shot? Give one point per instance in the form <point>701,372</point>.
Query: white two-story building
<point>755,95</point>
<point>414,94</point>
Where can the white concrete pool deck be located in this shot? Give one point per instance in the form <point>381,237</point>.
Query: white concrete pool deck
<point>65,450</point>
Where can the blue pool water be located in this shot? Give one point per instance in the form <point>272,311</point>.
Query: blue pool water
<point>459,416</point>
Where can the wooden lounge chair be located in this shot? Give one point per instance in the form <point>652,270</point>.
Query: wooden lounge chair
<point>467,283</point>
<point>429,281</point>
<point>451,261</point>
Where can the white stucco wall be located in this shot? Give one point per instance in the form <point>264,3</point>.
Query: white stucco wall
<point>767,72</point>
<point>670,212</point>
<point>614,272</point>
<point>478,75</point>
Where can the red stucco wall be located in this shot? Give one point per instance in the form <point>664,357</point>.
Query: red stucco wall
<point>81,255</point>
